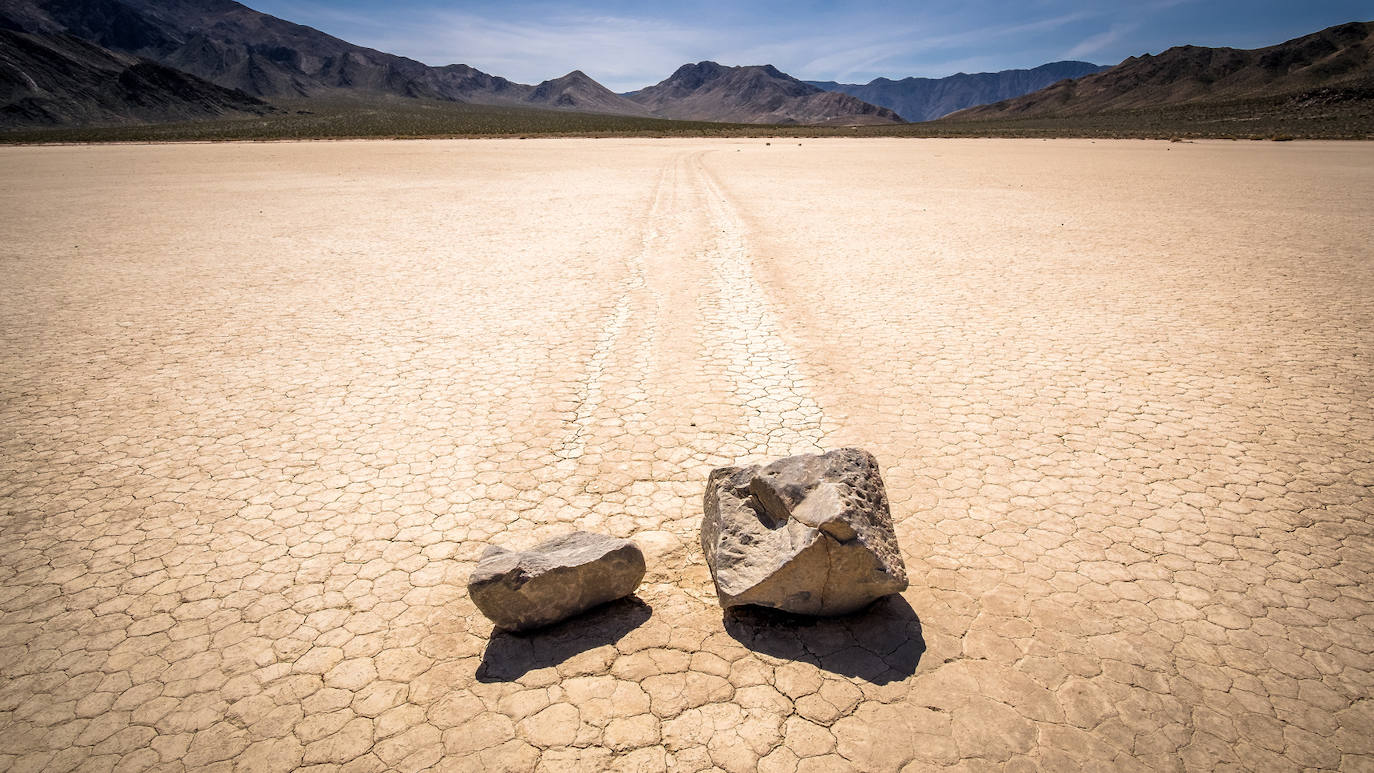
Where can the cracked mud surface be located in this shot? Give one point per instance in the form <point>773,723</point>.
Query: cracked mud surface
<point>263,406</point>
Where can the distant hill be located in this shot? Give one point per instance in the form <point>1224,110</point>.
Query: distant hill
<point>925,99</point>
<point>236,47</point>
<point>707,91</point>
<point>1311,74</point>
<point>60,80</point>
<point>577,91</point>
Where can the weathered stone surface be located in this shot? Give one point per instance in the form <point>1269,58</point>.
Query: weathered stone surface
<point>557,579</point>
<point>809,534</point>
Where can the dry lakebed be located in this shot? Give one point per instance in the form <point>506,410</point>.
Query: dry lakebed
<point>263,407</point>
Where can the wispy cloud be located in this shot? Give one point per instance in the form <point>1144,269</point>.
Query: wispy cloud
<point>903,47</point>
<point>619,51</point>
<point>1096,43</point>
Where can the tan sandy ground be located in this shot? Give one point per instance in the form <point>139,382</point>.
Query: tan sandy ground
<point>261,406</point>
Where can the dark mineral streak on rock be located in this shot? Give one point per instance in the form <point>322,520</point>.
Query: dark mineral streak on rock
<point>809,534</point>
<point>555,580</point>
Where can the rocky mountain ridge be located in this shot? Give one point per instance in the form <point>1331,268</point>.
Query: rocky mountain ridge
<point>231,45</point>
<point>236,47</point>
<point>753,94</point>
<point>1334,63</point>
<point>101,62</point>
<point>925,99</point>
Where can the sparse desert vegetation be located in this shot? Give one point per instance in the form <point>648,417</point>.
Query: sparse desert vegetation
<point>1343,117</point>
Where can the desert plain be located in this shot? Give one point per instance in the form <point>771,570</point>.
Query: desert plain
<point>262,406</point>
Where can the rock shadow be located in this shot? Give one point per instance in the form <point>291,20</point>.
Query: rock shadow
<point>509,656</point>
<point>881,643</point>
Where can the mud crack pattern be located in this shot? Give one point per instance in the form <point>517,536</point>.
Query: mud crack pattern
<point>263,406</point>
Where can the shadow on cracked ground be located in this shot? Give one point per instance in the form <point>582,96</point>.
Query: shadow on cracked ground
<point>509,656</point>
<point>880,644</point>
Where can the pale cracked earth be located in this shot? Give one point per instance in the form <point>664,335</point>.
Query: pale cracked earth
<point>263,405</point>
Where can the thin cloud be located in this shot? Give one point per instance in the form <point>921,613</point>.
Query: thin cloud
<point>1100,41</point>
<point>896,50</point>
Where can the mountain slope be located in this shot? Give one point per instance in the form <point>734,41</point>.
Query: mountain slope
<point>925,99</point>
<point>236,47</point>
<point>50,80</point>
<point>707,91</point>
<point>577,91</point>
<point>1335,64</point>
<point>223,42</point>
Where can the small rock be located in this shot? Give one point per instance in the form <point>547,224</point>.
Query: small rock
<point>808,534</point>
<point>519,591</point>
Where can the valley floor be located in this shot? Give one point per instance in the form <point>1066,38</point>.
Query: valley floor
<point>262,406</point>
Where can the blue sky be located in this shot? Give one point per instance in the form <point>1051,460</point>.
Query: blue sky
<point>628,45</point>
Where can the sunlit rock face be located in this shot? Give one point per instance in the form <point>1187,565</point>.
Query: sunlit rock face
<point>555,580</point>
<point>809,534</point>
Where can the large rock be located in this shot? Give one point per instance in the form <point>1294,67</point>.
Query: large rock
<point>809,534</point>
<point>555,580</point>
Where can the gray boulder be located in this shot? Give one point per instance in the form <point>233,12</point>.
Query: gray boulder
<point>555,580</point>
<point>809,534</point>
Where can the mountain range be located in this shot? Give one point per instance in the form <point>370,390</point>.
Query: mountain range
<point>235,47</point>
<point>925,99</point>
<point>1314,71</point>
<point>119,62</point>
<point>226,44</point>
